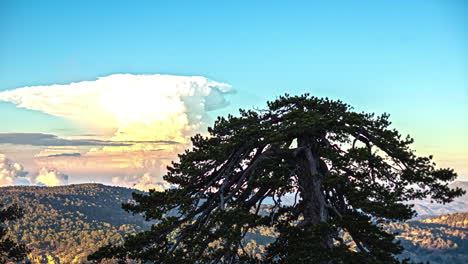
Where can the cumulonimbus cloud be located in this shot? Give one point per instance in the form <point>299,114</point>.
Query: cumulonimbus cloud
<point>139,112</point>
<point>130,107</point>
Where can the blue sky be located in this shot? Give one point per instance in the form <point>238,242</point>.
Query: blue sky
<point>407,58</point>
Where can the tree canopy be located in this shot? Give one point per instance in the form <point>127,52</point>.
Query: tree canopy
<point>349,172</point>
<point>9,249</point>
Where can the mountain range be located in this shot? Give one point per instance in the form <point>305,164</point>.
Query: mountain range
<point>64,224</point>
<point>426,208</point>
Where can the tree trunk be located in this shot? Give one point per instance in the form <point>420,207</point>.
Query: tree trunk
<point>310,183</point>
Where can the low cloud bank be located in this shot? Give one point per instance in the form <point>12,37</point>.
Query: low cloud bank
<point>13,173</point>
<point>40,139</point>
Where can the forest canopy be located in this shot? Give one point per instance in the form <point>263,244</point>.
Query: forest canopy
<point>9,248</point>
<point>350,173</point>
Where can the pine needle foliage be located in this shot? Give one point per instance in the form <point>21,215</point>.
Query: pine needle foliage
<point>351,172</point>
<point>10,250</point>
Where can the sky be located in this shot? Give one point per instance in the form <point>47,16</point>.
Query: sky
<point>111,91</point>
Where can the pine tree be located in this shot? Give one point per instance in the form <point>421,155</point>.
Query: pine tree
<point>9,249</point>
<point>350,173</point>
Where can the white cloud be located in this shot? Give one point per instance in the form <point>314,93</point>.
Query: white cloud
<point>126,107</point>
<point>51,177</point>
<point>11,173</point>
<point>143,182</point>
<point>130,107</point>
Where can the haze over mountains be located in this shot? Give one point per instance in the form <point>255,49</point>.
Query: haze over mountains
<point>425,208</point>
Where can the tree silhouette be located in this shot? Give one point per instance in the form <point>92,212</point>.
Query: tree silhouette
<point>9,249</point>
<point>350,173</point>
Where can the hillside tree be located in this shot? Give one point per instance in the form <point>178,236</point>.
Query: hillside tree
<point>350,173</point>
<point>10,250</point>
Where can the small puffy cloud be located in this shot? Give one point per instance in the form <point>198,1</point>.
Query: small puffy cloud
<point>51,177</point>
<point>143,182</point>
<point>11,173</point>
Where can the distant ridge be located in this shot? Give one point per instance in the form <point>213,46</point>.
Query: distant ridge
<point>64,224</point>
<point>425,208</point>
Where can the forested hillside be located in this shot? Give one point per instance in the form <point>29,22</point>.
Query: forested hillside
<point>65,224</point>
<point>440,239</point>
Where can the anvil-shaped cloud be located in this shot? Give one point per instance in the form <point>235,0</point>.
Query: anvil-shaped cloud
<point>139,115</point>
<point>130,107</point>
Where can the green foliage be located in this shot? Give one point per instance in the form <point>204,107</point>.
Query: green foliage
<point>65,224</point>
<point>9,249</point>
<point>440,240</point>
<point>351,171</point>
